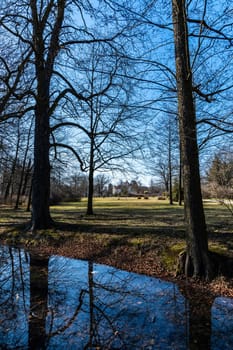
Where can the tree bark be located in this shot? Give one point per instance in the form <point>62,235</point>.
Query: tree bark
<point>27,176</point>
<point>170,163</point>
<point>197,258</point>
<point>44,61</point>
<point>41,172</point>
<point>91,181</point>
<point>180,196</point>
<point>9,185</point>
<point>29,198</point>
<point>41,175</point>
<point>23,175</point>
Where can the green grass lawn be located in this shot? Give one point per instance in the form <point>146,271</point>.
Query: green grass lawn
<point>135,211</point>
<point>149,230</point>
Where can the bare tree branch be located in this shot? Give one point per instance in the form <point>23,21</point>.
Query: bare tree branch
<point>82,167</point>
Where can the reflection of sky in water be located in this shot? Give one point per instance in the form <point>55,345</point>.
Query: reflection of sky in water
<point>129,311</point>
<point>92,305</point>
<point>222,324</point>
<point>14,298</point>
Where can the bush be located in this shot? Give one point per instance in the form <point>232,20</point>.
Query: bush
<point>64,195</point>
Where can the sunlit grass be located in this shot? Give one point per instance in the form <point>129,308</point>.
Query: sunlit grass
<point>125,211</point>
<point>119,228</point>
<point>121,215</point>
<point>122,203</point>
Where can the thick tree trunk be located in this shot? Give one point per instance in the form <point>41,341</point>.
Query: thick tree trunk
<point>45,50</point>
<point>41,171</point>
<point>41,174</point>
<point>197,257</point>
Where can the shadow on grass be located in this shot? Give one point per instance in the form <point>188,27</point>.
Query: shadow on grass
<point>120,229</point>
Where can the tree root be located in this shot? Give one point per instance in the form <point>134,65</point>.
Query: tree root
<point>221,265</point>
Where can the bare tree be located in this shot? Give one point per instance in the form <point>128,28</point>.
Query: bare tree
<point>163,156</point>
<point>100,184</point>
<point>220,178</point>
<point>103,123</point>
<point>25,169</point>
<point>42,32</point>
<point>36,27</point>
<point>197,258</point>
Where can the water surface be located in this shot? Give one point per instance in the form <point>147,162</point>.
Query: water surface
<point>63,303</point>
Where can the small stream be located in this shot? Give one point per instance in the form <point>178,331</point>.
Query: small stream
<point>63,303</point>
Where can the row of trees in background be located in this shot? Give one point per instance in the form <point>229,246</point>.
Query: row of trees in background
<point>16,181</point>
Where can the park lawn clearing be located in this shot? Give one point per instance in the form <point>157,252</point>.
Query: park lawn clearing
<point>139,235</point>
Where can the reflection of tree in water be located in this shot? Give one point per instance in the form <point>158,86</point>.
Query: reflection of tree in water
<point>98,317</point>
<point>119,310</point>
<point>199,320</point>
<point>79,305</point>
<point>112,309</point>
<point>38,302</point>
<point>147,313</point>
<point>109,322</point>
<point>222,324</point>
<point>209,320</point>
<point>14,303</point>
<point>200,325</point>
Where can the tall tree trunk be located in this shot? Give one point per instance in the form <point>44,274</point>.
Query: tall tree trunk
<point>29,198</point>
<point>22,175</point>
<point>170,163</point>
<point>180,195</point>
<point>91,155</point>
<point>45,54</point>
<point>41,170</point>
<point>27,177</point>
<point>197,257</point>
<point>41,173</point>
<point>91,182</point>
<point>13,168</point>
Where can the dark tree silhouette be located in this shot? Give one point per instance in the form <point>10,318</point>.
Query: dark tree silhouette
<point>197,262</point>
